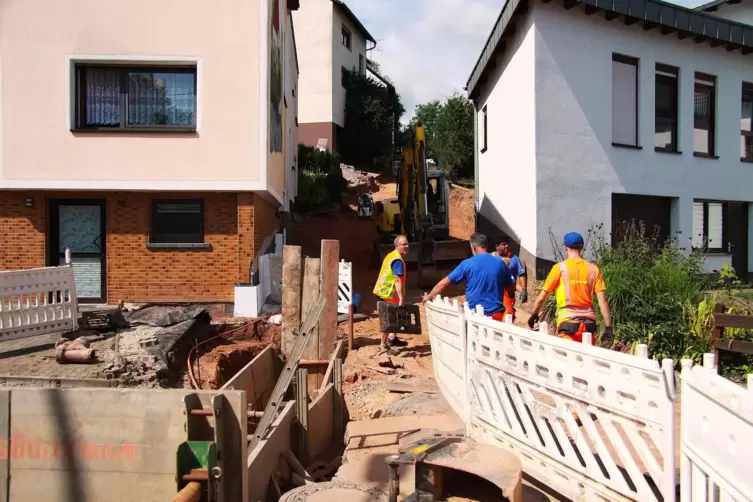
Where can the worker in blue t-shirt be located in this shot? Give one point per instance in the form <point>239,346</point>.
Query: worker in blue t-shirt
<point>487,279</point>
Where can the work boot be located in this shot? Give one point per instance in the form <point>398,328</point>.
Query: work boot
<point>396,342</point>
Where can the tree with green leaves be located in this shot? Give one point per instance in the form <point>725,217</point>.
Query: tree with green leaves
<point>453,136</point>
<point>370,112</point>
<point>428,114</point>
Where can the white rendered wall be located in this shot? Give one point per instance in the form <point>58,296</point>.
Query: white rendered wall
<point>312,21</point>
<point>342,57</point>
<point>506,170</point>
<point>577,168</point>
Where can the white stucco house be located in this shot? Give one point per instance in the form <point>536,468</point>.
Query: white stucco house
<point>592,112</point>
<point>333,39</point>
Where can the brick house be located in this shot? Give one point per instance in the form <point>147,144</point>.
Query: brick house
<point>161,159</point>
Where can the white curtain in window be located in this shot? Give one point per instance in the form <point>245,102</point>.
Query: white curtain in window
<point>102,97</point>
<point>161,99</point>
<point>624,103</point>
<point>697,237</point>
<point>716,229</point>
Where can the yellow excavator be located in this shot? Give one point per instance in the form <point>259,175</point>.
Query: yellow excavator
<point>420,211</point>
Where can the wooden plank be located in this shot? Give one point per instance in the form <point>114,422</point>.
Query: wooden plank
<point>311,286</point>
<point>320,422</point>
<point>404,387</point>
<point>291,296</point>
<point>739,346</point>
<point>257,378</point>
<point>4,436</point>
<point>111,444</point>
<point>330,265</point>
<point>264,458</point>
<point>733,321</point>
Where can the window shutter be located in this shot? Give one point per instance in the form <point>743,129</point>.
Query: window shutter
<point>697,237</point>
<point>715,226</point>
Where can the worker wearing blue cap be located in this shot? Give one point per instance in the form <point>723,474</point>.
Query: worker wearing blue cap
<point>574,283</point>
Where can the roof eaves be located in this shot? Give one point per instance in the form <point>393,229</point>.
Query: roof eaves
<point>654,13</point>
<point>353,19</point>
<point>712,6</point>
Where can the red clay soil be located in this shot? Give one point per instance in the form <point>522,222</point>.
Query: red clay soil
<point>227,355</point>
<point>462,212</point>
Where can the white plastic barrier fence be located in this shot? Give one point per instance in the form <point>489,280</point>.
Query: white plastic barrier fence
<point>717,436</point>
<point>448,345</point>
<point>344,287</point>
<point>528,392</point>
<point>37,301</point>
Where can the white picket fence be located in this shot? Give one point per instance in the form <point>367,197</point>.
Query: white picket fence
<point>593,424</point>
<point>37,301</point>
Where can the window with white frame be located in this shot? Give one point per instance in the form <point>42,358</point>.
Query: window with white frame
<point>746,123</point>
<point>345,36</point>
<point>624,100</point>
<point>708,226</point>
<point>704,122</point>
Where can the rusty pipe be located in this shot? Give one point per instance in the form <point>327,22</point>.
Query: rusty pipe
<point>190,493</point>
<point>208,413</point>
<point>313,362</point>
<point>79,354</point>
<point>196,475</point>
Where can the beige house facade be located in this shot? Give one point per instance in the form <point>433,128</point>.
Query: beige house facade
<point>156,138</point>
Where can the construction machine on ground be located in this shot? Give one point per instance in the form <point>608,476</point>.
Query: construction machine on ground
<point>421,212</point>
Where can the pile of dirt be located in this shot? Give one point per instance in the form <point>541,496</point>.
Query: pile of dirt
<point>462,212</point>
<point>222,358</point>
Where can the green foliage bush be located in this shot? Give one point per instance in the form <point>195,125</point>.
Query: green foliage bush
<point>320,179</point>
<point>650,287</point>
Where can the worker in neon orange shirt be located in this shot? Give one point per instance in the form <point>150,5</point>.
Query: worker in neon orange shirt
<point>574,282</point>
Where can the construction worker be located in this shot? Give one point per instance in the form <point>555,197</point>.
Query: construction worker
<point>390,286</point>
<point>487,279</point>
<point>518,269</point>
<point>574,282</point>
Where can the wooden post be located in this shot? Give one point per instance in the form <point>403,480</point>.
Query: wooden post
<point>350,328</point>
<point>311,280</point>
<point>291,296</point>
<point>330,275</point>
<point>717,334</point>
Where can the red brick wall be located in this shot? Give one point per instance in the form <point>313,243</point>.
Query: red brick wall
<point>234,227</point>
<point>22,231</point>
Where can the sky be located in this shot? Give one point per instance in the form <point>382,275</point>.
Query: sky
<point>429,47</point>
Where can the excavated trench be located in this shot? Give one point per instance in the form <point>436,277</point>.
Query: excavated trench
<point>219,360</point>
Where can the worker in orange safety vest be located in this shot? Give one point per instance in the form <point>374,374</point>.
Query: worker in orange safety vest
<point>574,282</point>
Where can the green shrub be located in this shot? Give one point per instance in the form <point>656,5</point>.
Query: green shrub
<point>650,288</point>
<point>312,190</point>
<point>320,179</point>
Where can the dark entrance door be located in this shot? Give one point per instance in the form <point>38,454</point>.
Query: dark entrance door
<point>79,225</point>
<point>736,233</point>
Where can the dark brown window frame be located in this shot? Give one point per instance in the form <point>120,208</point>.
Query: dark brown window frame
<point>711,88</point>
<point>747,91</point>
<point>79,124</point>
<point>485,146</point>
<point>660,67</point>
<point>705,231</point>
<point>346,37</point>
<point>361,64</point>
<point>632,61</point>
<point>155,241</point>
